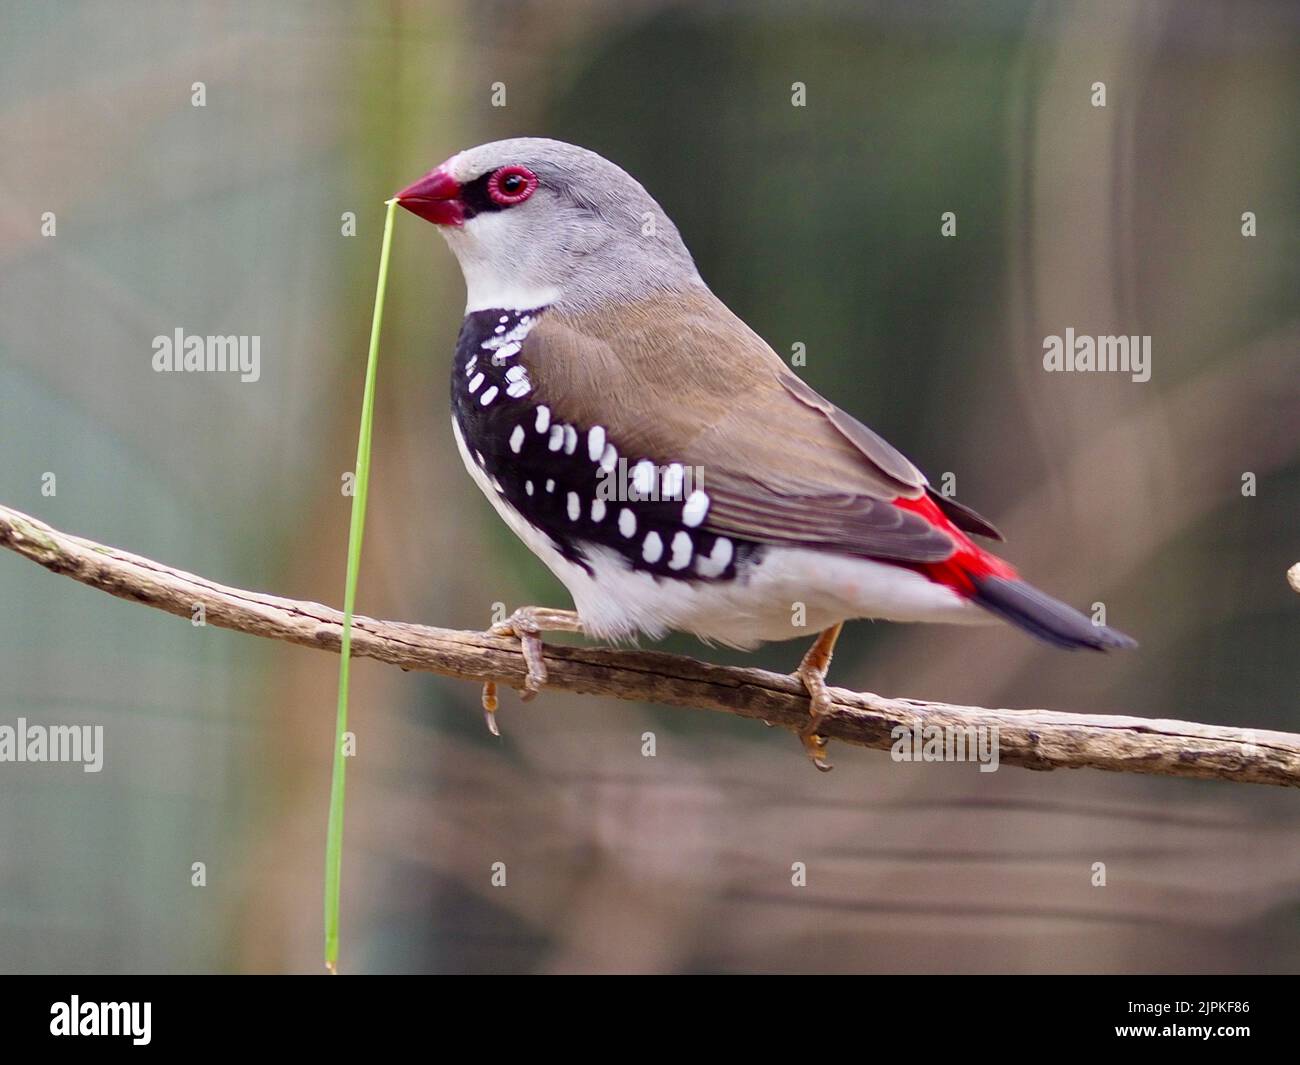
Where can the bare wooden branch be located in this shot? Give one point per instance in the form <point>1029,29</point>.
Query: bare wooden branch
<point>1032,739</point>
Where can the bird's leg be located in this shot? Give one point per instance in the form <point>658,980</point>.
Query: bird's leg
<point>527,624</point>
<point>812,672</point>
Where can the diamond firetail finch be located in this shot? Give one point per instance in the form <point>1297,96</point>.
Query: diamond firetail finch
<point>591,345</point>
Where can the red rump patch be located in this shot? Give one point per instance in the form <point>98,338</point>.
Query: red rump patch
<point>968,561</point>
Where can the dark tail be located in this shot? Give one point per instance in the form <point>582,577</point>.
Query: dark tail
<point>1047,618</point>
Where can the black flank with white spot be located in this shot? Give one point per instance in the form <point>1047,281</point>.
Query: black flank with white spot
<point>551,472</point>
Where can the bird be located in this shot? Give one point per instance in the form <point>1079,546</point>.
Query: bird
<point>661,459</point>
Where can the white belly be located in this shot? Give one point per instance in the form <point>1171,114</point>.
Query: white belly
<point>789,593</point>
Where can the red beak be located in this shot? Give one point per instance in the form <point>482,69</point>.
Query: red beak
<point>435,198</point>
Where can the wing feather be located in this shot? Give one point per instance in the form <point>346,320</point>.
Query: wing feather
<point>679,378</point>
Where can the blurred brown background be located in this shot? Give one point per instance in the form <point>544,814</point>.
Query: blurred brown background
<point>819,225</point>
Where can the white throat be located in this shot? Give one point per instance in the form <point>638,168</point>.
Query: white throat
<point>486,289</point>
<point>496,274</point>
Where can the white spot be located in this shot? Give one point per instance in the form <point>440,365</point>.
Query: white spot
<point>681,551</point>
<point>516,372</point>
<point>509,351</point>
<point>470,366</point>
<point>643,477</point>
<point>557,438</point>
<point>499,329</point>
<point>550,485</point>
<point>718,560</point>
<point>627,523</point>
<point>488,396</point>
<point>610,459</point>
<point>595,443</point>
<point>652,548</point>
<point>504,318</point>
<point>497,485</point>
<point>475,383</point>
<point>670,485</point>
<point>517,439</point>
<point>504,340</point>
<point>573,506</point>
<point>528,487</point>
<point>696,506</point>
<point>597,510</point>
<point>570,439</point>
<point>543,418</point>
<point>518,388</point>
<point>478,455</point>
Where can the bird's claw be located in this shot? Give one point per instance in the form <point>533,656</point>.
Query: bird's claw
<point>490,705</point>
<point>812,675</point>
<point>527,625</point>
<point>815,746</point>
<point>819,696</point>
<point>524,628</point>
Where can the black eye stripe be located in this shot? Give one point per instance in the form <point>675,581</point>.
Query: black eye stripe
<point>475,199</point>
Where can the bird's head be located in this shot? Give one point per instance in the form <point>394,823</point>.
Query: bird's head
<point>536,222</point>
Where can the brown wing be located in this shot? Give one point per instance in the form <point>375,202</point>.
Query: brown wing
<point>681,379</point>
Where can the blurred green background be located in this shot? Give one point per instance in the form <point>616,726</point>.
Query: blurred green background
<point>819,225</point>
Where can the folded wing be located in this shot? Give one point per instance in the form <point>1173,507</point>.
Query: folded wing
<point>682,379</point>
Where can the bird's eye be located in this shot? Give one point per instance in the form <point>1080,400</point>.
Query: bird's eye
<point>511,185</point>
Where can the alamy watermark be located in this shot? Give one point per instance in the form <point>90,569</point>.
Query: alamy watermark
<point>180,353</point>
<point>946,743</point>
<point>1073,353</point>
<point>22,742</point>
<point>645,482</point>
<point>132,1020</point>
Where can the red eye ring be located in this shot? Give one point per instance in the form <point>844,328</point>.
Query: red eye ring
<point>511,185</point>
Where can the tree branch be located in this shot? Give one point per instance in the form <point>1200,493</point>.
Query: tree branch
<point>1032,739</point>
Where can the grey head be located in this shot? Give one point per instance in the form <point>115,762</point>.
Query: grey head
<point>535,222</point>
